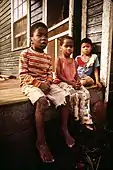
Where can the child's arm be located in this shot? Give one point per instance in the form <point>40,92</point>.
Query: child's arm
<point>77,76</point>
<point>50,74</point>
<point>96,73</point>
<point>58,72</point>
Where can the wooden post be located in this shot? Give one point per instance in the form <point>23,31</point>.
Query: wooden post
<point>106,46</point>
<point>71,16</point>
<point>84,19</point>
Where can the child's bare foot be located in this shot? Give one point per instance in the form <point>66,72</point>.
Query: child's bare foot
<point>45,154</point>
<point>69,140</point>
<point>90,126</point>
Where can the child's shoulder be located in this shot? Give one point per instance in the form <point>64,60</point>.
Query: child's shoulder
<point>25,52</point>
<point>94,56</point>
<point>78,56</point>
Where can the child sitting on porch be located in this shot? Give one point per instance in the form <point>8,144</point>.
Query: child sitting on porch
<point>68,80</point>
<point>87,64</point>
<point>35,72</point>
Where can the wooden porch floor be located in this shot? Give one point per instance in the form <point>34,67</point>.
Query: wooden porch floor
<point>10,92</point>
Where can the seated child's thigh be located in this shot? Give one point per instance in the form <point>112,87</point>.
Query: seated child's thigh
<point>33,93</point>
<point>57,95</point>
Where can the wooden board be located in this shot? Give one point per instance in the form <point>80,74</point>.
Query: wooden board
<point>10,92</point>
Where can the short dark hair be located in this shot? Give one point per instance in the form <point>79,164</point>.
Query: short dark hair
<point>86,40</point>
<point>36,26</point>
<point>65,37</point>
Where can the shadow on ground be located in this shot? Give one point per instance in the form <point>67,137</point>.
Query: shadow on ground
<point>18,152</point>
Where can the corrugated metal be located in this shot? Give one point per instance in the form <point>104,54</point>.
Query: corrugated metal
<point>8,59</point>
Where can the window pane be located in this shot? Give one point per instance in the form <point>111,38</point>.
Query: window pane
<point>57,11</point>
<point>20,26</point>
<point>20,33</point>
<point>20,41</point>
<point>20,1</point>
<point>24,8</point>
<point>20,11</point>
<point>15,15</point>
<point>15,3</point>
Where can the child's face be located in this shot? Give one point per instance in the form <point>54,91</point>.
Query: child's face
<point>86,48</point>
<point>67,47</point>
<point>40,38</point>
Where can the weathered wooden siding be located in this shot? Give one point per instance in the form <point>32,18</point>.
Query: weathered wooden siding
<point>9,59</point>
<point>36,11</point>
<point>94,22</point>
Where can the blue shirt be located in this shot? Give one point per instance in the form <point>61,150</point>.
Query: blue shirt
<point>86,69</point>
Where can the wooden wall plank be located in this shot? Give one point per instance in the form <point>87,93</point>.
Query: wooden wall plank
<point>36,11</point>
<point>9,59</point>
<point>4,6</point>
<point>7,12</point>
<point>91,3</point>
<point>94,20</point>
<point>6,30</point>
<point>6,19</point>
<point>6,33</point>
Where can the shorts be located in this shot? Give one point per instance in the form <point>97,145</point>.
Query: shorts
<point>56,94</point>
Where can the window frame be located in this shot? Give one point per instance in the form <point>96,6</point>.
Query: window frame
<point>12,26</point>
<point>69,19</point>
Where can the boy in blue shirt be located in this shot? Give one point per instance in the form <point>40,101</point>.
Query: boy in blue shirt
<point>88,64</point>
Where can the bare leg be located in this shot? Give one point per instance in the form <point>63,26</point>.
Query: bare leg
<point>64,120</point>
<point>85,108</point>
<point>87,81</point>
<point>41,145</point>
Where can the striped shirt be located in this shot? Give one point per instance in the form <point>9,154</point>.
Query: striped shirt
<point>34,68</point>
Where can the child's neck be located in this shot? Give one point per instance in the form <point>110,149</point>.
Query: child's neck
<point>38,49</point>
<point>88,55</point>
<point>67,57</point>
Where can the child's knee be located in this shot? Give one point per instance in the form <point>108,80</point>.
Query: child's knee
<point>89,81</point>
<point>67,99</point>
<point>42,104</point>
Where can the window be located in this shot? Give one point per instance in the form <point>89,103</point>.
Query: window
<point>58,15</point>
<point>20,24</point>
<point>57,11</point>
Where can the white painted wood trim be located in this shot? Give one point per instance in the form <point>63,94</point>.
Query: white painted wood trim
<point>106,45</point>
<point>44,11</point>
<point>28,23</point>
<point>59,24</point>
<point>84,19</point>
<point>58,35</point>
<point>12,25</point>
<point>56,51</point>
<point>28,27</point>
<point>71,16</point>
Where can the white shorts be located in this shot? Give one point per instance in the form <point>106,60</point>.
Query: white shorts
<point>56,94</point>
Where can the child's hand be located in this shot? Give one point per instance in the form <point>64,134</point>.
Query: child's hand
<point>45,87</point>
<point>78,82</point>
<point>76,85</point>
<point>99,84</point>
